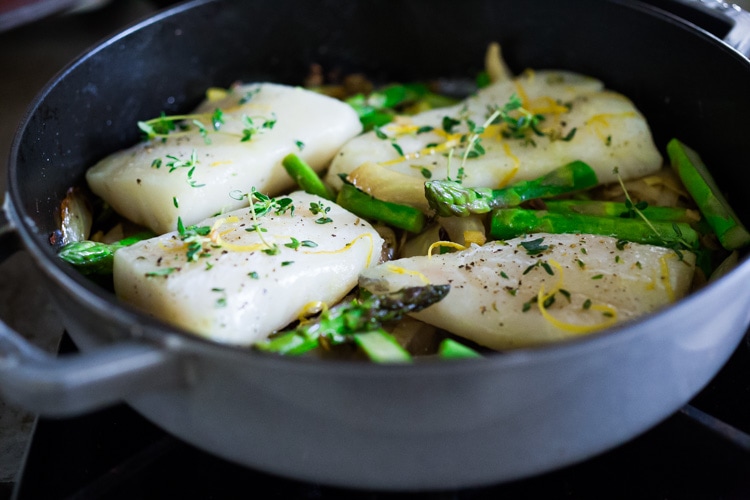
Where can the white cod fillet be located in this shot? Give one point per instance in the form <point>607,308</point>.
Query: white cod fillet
<point>234,291</point>
<point>610,132</point>
<point>495,288</point>
<point>285,120</point>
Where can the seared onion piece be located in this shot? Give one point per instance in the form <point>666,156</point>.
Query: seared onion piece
<point>494,64</point>
<point>75,216</point>
<point>464,230</point>
<point>385,184</point>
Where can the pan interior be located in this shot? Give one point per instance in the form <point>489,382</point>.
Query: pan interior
<point>687,83</point>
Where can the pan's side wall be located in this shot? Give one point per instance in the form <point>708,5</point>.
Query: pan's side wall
<point>448,425</point>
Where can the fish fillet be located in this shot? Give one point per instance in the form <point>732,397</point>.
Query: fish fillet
<point>192,176</point>
<point>244,282</point>
<point>609,133</point>
<point>503,297</point>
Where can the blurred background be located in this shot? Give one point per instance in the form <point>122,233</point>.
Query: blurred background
<point>37,39</point>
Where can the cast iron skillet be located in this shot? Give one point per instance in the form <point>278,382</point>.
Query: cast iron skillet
<point>423,426</point>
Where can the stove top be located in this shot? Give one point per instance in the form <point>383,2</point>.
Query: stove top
<point>703,451</point>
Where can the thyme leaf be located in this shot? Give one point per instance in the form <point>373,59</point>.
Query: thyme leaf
<point>535,246</point>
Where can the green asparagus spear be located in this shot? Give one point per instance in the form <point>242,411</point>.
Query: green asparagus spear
<point>394,214</point>
<point>381,347</point>
<point>450,349</point>
<point>617,209</point>
<point>451,198</point>
<point>379,107</point>
<point>700,184</point>
<point>96,258</point>
<point>339,323</point>
<point>396,94</point>
<point>305,177</point>
<point>511,222</point>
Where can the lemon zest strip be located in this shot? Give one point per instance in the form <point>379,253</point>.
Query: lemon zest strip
<point>600,122</point>
<point>664,276</point>
<point>547,106</point>
<point>402,270</point>
<point>449,244</point>
<point>571,327</point>
<point>348,246</point>
<point>516,164</point>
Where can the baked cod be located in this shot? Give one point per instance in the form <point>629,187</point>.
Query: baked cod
<point>581,120</point>
<point>506,295</point>
<point>237,278</point>
<point>201,171</point>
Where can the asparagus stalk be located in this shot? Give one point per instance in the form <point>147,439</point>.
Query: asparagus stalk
<point>379,107</point>
<point>381,347</point>
<point>96,258</point>
<point>617,209</point>
<point>450,349</point>
<point>396,94</point>
<point>305,177</point>
<point>394,214</point>
<point>700,184</point>
<point>511,222</point>
<point>451,198</point>
<point>339,323</point>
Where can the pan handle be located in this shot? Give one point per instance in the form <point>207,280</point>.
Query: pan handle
<point>73,384</point>
<point>738,36</point>
<point>76,383</point>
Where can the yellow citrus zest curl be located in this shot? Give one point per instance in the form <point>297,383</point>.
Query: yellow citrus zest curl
<point>664,276</point>
<point>449,244</point>
<point>348,246</point>
<point>609,311</point>
<point>216,237</point>
<point>402,270</point>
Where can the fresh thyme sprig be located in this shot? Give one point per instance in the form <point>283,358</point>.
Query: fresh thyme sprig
<point>252,127</point>
<point>180,125</point>
<point>176,125</point>
<point>474,147</point>
<point>176,163</point>
<point>518,127</point>
<point>521,123</point>
<point>636,210</point>
<point>319,208</point>
<point>195,238</point>
<point>263,204</point>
